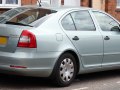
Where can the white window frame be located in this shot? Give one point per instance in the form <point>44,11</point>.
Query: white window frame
<point>57,3</point>
<point>53,3</point>
<point>44,2</point>
<point>4,5</point>
<point>118,4</point>
<point>72,3</point>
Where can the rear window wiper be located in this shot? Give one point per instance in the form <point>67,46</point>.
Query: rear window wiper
<point>15,23</point>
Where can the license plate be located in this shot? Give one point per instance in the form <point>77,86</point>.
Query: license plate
<point>3,40</point>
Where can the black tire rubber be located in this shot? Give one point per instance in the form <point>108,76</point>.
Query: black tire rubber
<point>56,72</point>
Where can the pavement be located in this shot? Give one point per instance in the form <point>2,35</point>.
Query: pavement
<point>108,80</point>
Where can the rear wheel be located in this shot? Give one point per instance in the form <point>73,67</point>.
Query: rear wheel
<point>65,70</point>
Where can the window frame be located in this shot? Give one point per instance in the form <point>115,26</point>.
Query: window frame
<point>4,5</point>
<point>118,4</point>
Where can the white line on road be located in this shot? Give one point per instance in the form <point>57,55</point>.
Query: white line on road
<point>84,88</point>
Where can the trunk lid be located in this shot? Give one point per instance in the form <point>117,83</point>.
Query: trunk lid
<point>9,36</point>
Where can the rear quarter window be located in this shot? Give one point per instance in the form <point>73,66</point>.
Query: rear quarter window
<point>68,23</point>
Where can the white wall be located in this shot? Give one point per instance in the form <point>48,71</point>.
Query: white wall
<point>57,3</point>
<point>45,2</point>
<point>72,2</point>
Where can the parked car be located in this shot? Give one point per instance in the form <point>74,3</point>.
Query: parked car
<point>59,43</point>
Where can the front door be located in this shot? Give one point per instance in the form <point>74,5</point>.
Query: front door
<point>111,35</point>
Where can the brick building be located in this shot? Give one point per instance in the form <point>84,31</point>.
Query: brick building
<point>113,7</point>
<point>110,6</point>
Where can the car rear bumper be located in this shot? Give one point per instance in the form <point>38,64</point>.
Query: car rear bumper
<point>29,64</point>
<point>26,72</point>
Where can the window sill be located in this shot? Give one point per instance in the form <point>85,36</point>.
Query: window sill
<point>117,10</point>
<point>14,6</point>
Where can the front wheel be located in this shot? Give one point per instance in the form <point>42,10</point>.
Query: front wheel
<point>65,70</point>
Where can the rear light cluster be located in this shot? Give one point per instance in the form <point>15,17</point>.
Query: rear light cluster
<point>27,40</point>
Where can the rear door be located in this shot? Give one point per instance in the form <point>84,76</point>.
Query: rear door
<point>82,32</point>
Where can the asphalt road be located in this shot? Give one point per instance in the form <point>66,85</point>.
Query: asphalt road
<point>109,80</point>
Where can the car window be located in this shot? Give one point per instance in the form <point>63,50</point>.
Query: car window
<point>106,22</point>
<point>11,13</point>
<point>68,23</point>
<point>83,21</point>
<point>30,16</point>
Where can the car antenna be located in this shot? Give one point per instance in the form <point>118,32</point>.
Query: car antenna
<point>39,1</point>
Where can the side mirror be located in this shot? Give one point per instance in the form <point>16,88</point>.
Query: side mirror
<point>115,28</point>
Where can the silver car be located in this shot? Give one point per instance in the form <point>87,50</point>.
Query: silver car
<point>59,43</point>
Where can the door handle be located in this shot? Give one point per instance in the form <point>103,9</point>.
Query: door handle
<point>75,38</point>
<point>106,38</point>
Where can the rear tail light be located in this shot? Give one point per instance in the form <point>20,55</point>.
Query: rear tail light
<point>27,40</point>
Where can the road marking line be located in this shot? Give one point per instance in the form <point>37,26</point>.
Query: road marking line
<point>81,88</point>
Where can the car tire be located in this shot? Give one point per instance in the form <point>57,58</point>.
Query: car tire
<point>65,70</point>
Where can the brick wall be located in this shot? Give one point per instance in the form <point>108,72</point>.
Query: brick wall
<point>85,3</point>
<point>97,4</point>
<point>28,2</point>
<point>111,8</point>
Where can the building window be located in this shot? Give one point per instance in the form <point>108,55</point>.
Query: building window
<point>10,3</point>
<point>0,1</point>
<point>118,3</point>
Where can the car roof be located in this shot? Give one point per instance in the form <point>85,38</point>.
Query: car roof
<point>55,8</point>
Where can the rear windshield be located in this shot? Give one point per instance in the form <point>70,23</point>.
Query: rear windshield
<point>31,16</point>
<point>13,12</point>
<point>10,13</point>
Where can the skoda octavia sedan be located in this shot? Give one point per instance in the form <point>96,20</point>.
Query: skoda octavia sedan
<point>59,43</point>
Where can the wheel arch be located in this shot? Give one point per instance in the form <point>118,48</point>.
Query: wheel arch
<point>76,58</point>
